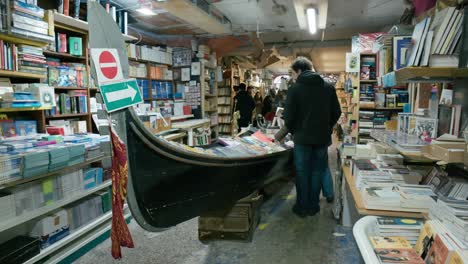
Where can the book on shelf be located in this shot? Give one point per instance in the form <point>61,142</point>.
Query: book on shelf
<point>419,34</point>
<point>440,26</point>
<point>401,47</point>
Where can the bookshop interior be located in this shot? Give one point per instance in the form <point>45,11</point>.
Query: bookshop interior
<point>234,131</point>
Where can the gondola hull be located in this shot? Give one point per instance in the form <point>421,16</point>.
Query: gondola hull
<point>170,186</point>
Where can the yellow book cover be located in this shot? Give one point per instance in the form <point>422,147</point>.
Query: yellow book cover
<point>425,240</point>
<point>456,259</point>
<point>389,242</point>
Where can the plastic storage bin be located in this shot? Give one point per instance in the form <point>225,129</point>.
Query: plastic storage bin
<point>365,227</point>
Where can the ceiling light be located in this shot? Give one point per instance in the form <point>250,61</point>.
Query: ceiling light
<point>312,20</point>
<point>145,11</point>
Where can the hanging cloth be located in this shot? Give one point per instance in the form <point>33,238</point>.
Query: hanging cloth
<point>120,234</point>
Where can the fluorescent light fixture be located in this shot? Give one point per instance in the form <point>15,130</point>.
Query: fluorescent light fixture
<point>145,11</point>
<point>312,20</point>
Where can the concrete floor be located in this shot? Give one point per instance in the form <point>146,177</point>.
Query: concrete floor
<point>281,237</point>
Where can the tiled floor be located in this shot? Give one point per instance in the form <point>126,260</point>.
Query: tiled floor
<point>280,238</point>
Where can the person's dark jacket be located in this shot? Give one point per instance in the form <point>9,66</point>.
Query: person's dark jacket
<point>245,104</point>
<point>312,109</point>
<point>267,105</point>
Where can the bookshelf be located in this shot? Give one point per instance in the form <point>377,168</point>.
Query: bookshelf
<point>26,109</point>
<point>22,40</point>
<point>225,100</point>
<point>22,75</point>
<point>209,94</point>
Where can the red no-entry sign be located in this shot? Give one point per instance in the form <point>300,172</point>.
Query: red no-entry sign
<point>107,65</point>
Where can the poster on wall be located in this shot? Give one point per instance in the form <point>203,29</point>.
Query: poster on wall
<point>352,62</point>
<point>196,68</point>
<point>185,74</point>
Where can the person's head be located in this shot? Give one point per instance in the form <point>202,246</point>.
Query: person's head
<point>236,88</point>
<point>257,95</point>
<point>250,89</point>
<point>242,87</point>
<point>300,65</point>
<point>272,93</point>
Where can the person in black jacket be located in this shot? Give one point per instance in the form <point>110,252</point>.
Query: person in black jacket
<point>245,104</point>
<point>312,109</point>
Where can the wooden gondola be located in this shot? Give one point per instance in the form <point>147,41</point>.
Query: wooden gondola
<point>168,185</point>
<point>171,185</point>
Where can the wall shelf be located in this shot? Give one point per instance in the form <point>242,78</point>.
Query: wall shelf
<point>67,116</point>
<point>25,109</point>
<point>25,217</point>
<point>22,40</point>
<point>62,55</point>
<point>18,74</point>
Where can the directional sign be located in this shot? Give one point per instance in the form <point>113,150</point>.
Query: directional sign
<point>121,94</point>
<point>107,65</point>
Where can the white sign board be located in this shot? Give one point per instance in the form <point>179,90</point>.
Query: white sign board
<point>107,65</point>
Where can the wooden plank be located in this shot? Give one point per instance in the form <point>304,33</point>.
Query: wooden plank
<point>420,73</point>
<point>7,110</point>
<point>22,40</point>
<point>360,205</point>
<point>25,75</point>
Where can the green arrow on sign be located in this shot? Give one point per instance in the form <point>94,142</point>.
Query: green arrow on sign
<point>121,95</point>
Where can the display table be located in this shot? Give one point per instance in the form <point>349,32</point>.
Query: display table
<point>174,134</point>
<point>189,125</point>
<point>359,205</point>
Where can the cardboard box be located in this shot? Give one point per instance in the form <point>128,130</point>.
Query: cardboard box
<point>451,153</point>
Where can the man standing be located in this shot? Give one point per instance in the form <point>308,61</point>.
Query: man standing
<point>312,109</point>
<point>245,104</point>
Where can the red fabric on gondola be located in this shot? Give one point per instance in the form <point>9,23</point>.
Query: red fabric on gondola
<point>120,235</point>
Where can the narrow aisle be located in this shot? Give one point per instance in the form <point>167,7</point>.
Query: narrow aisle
<point>281,237</point>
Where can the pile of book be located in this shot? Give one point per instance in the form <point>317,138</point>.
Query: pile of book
<point>394,249</point>
<point>67,74</point>
<point>31,60</point>
<point>28,21</point>
<point>436,244</point>
<point>76,154</point>
<point>453,214</point>
<point>137,70</point>
<point>35,162</point>
<point>12,128</point>
<point>416,197</point>
<point>399,240</point>
<point>72,102</point>
<point>149,53</point>
<point>160,73</point>
<point>251,145</point>
<point>436,38</point>
<point>85,211</point>
<point>10,164</point>
<point>400,227</point>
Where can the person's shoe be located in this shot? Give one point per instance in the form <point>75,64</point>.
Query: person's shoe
<point>330,199</point>
<point>299,212</point>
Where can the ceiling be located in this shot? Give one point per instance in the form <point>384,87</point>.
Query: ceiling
<point>276,24</point>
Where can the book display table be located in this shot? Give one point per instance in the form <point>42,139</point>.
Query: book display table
<point>190,125</point>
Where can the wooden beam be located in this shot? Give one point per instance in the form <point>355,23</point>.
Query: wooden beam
<point>193,15</point>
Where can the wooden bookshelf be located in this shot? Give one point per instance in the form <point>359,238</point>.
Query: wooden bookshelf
<point>368,81</point>
<point>351,183</point>
<point>423,73</point>
<point>69,88</point>
<point>67,116</point>
<point>149,61</point>
<point>24,75</point>
<point>22,40</point>
<point>77,24</point>
<point>381,108</point>
<point>62,55</point>
<point>8,110</point>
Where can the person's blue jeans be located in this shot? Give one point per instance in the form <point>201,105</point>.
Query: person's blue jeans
<point>327,182</point>
<point>311,163</point>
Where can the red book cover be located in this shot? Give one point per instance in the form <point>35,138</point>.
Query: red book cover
<point>55,131</point>
<point>66,7</point>
<point>63,43</point>
<point>398,255</point>
<point>439,252</point>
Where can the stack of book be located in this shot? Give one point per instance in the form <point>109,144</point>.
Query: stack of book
<point>417,197</point>
<point>7,206</point>
<point>148,53</point>
<point>454,216</point>
<point>160,73</point>
<point>76,153</point>
<point>381,198</point>
<point>394,249</point>
<point>436,39</point>
<point>70,183</point>
<point>137,70</point>
<point>59,157</point>
<point>400,227</point>
<point>28,21</point>
<point>436,244</point>
<point>31,60</point>
<point>367,174</point>
<point>84,211</point>
<point>10,167</point>
<point>20,100</point>
<point>35,162</point>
